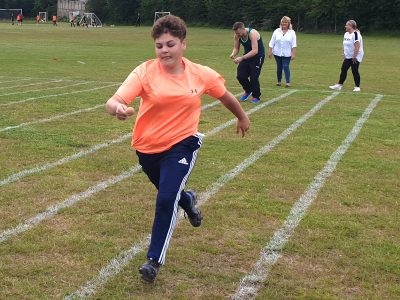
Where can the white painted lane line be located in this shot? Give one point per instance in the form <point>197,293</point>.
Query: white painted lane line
<point>254,109</point>
<point>57,95</point>
<point>47,166</point>
<point>65,79</point>
<point>117,265</point>
<point>29,84</point>
<point>46,89</point>
<point>51,211</point>
<point>53,118</point>
<point>251,283</point>
<point>15,80</point>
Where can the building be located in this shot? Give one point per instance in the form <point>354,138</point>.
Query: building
<point>66,7</point>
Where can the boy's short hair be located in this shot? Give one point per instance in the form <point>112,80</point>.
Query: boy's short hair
<point>169,24</point>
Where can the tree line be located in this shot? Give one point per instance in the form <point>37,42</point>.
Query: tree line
<point>307,15</point>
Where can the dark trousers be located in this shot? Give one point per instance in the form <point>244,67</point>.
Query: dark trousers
<point>248,72</point>
<point>169,172</point>
<point>347,63</point>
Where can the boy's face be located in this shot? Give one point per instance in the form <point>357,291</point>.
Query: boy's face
<point>169,50</point>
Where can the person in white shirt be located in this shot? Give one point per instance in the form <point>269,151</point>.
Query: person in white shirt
<point>353,53</point>
<point>283,45</point>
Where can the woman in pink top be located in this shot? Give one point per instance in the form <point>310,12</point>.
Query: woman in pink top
<point>165,134</point>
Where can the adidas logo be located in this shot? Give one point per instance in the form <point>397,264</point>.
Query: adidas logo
<point>183,161</point>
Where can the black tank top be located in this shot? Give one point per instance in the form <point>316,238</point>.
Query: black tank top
<point>247,44</point>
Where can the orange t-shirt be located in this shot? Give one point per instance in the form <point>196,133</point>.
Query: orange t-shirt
<point>170,104</point>
<point>54,18</point>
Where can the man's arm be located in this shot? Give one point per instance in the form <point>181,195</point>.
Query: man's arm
<point>236,46</point>
<point>253,36</point>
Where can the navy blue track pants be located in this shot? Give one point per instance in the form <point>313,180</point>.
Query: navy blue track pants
<point>169,172</point>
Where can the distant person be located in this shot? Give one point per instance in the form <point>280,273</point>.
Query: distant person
<point>283,45</point>
<point>37,19</point>
<point>353,53</point>
<point>73,21</point>
<point>54,20</point>
<point>12,18</point>
<point>250,63</point>
<point>94,23</point>
<point>166,136</point>
<point>78,20</point>
<point>84,21</point>
<point>20,19</point>
<point>138,20</point>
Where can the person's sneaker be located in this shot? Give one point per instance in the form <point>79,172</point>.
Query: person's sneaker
<point>336,87</point>
<point>193,213</point>
<point>278,84</point>
<point>357,89</point>
<point>245,96</point>
<point>149,270</point>
<point>287,85</point>
<point>255,100</point>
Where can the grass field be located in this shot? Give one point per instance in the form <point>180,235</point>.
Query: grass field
<point>305,207</point>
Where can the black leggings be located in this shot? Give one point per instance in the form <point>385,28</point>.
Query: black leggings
<point>347,63</point>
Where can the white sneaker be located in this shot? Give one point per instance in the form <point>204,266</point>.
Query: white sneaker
<point>357,89</point>
<point>336,87</point>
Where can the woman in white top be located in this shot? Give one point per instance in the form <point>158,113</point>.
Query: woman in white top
<point>353,53</point>
<point>283,46</point>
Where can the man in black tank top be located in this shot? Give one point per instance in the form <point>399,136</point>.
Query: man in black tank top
<point>249,65</point>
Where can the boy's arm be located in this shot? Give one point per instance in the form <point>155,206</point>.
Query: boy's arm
<point>116,106</point>
<point>231,103</point>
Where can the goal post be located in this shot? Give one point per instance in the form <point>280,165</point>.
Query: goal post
<point>92,20</point>
<point>8,13</point>
<point>159,14</point>
<point>43,16</point>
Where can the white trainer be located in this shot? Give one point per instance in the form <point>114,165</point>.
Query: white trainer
<point>356,89</point>
<point>336,87</point>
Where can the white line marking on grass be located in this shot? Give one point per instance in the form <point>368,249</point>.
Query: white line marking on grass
<point>251,283</point>
<point>117,265</point>
<point>81,62</point>
<point>57,95</point>
<point>254,109</point>
<point>29,84</point>
<point>57,117</point>
<point>53,210</point>
<point>46,89</point>
<point>47,166</point>
<point>15,80</point>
